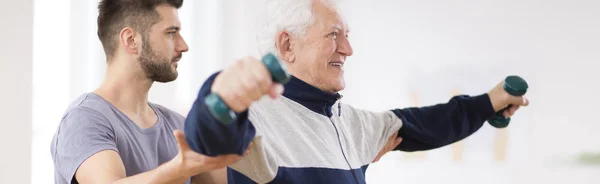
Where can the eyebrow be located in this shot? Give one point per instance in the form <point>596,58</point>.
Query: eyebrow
<point>337,26</point>
<point>340,27</point>
<point>175,28</point>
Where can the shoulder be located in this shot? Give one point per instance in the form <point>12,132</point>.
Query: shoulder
<point>268,107</point>
<point>87,109</point>
<point>82,126</point>
<point>352,114</point>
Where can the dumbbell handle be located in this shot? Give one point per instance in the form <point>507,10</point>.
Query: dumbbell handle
<point>515,86</point>
<point>220,111</point>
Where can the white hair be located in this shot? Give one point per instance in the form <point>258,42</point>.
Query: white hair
<point>293,16</point>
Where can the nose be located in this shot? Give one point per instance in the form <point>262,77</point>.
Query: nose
<point>181,45</point>
<point>344,47</point>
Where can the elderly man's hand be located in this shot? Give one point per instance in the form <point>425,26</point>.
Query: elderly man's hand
<point>501,99</point>
<point>392,143</point>
<point>244,82</point>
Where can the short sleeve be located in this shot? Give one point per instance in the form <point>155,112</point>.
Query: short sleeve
<point>82,133</point>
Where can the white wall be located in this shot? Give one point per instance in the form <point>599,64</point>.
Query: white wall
<point>56,69</point>
<point>402,47</point>
<point>15,72</point>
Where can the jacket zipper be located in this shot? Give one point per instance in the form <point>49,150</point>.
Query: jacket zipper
<point>340,142</point>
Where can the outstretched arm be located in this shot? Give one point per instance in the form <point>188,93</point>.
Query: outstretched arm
<point>439,125</point>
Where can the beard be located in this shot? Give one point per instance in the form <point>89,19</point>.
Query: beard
<point>156,67</point>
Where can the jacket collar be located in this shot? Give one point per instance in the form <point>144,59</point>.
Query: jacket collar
<point>310,97</point>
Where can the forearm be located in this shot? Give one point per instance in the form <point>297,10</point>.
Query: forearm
<point>163,174</point>
<point>442,124</point>
<point>208,136</point>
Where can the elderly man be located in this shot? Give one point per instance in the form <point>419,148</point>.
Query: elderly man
<point>308,136</point>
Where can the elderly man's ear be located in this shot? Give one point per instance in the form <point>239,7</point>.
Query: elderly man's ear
<point>285,47</point>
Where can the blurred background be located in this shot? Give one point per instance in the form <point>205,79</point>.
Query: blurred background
<point>406,53</point>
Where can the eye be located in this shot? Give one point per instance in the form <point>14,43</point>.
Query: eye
<point>172,33</point>
<point>333,35</point>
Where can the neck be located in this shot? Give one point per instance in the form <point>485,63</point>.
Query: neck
<point>126,87</point>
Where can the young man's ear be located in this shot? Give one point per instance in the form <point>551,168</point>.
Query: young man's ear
<point>284,46</point>
<point>128,38</point>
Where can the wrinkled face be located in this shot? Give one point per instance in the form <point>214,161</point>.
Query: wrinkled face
<point>320,54</point>
<point>162,46</point>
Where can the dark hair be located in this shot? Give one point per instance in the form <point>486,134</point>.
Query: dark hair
<point>114,15</point>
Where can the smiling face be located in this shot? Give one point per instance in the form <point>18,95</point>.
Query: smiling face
<point>318,56</point>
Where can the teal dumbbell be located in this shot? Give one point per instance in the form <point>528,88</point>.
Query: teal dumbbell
<point>220,111</point>
<point>515,86</point>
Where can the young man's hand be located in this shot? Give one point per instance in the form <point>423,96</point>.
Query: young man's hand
<point>189,163</point>
<point>392,143</point>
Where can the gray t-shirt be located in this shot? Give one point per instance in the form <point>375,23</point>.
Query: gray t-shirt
<point>91,124</point>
